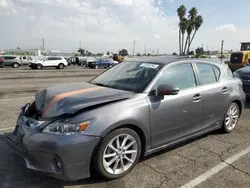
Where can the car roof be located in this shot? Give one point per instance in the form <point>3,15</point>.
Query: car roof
<point>158,59</point>
<point>172,59</point>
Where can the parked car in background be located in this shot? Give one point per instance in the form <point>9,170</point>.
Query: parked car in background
<point>1,62</point>
<point>131,110</point>
<point>24,60</point>
<point>53,61</point>
<point>90,60</point>
<point>77,60</point>
<point>102,63</point>
<point>11,60</point>
<point>244,75</point>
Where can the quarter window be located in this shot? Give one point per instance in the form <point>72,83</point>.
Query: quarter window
<point>216,72</point>
<point>206,73</point>
<point>181,76</point>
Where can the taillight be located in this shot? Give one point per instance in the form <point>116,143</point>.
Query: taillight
<point>1,60</point>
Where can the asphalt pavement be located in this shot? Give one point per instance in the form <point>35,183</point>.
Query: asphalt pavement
<point>214,160</point>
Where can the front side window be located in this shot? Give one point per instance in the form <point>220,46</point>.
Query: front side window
<point>206,73</point>
<point>181,76</point>
<point>129,76</point>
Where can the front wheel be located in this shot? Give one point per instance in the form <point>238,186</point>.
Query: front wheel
<point>15,65</point>
<point>61,66</point>
<point>118,153</point>
<point>39,66</point>
<point>231,118</point>
<point>96,67</point>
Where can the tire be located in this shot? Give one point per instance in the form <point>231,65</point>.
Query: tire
<point>110,66</point>
<point>61,66</point>
<point>119,158</point>
<point>39,66</point>
<point>96,67</point>
<point>15,65</point>
<point>231,118</point>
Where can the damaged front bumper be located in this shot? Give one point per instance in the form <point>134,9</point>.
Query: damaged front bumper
<point>65,157</point>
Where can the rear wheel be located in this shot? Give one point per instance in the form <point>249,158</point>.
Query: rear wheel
<point>96,67</point>
<point>15,65</point>
<point>118,153</point>
<point>231,118</point>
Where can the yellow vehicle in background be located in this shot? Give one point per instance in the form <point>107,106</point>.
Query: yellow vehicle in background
<point>241,58</point>
<point>118,58</point>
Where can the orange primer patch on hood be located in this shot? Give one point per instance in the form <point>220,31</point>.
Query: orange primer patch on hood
<point>67,94</point>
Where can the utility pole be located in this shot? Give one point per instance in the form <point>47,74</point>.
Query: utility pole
<point>80,44</point>
<point>222,43</point>
<point>145,48</point>
<point>157,51</point>
<point>134,49</point>
<point>43,44</point>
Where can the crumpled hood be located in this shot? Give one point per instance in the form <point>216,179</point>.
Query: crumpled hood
<point>72,97</point>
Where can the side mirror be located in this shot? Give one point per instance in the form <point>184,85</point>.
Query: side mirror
<point>167,89</point>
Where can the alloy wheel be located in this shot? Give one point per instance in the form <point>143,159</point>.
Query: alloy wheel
<point>120,154</point>
<point>232,117</point>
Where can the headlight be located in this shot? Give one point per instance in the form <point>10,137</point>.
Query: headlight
<point>67,128</point>
<point>236,75</point>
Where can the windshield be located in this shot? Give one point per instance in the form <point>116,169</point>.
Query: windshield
<point>129,76</point>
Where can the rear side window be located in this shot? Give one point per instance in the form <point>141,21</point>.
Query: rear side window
<point>9,57</point>
<point>206,73</point>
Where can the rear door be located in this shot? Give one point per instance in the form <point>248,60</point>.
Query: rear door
<point>215,94</point>
<point>8,60</point>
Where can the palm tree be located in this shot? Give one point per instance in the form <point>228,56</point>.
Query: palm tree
<point>189,32</point>
<point>192,14</point>
<point>183,25</point>
<point>181,13</point>
<point>197,24</point>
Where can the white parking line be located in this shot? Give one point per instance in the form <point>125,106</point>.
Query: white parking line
<point>216,169</point>
<point>5,129</point>
<point>10,99</point>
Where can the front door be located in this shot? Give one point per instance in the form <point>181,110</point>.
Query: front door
<point>176,116</point>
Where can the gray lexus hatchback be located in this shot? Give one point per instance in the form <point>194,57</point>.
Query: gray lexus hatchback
<point>131,110</point>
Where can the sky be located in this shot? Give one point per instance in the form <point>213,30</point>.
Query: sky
<point>109,25</point>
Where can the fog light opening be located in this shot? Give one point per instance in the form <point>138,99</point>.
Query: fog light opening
<point>58,163</point>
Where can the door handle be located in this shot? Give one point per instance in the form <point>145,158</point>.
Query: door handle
<point>224,90</point>
<point>197,98</point>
